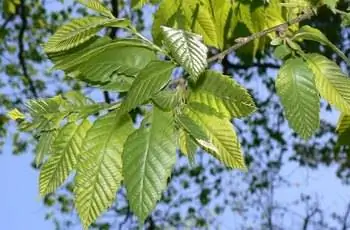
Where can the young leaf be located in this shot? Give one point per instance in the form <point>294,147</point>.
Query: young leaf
<point>201,20</point>
<point>343,129</point>
<point>15,114</point>
<point>296,88</point>
<point>222,94</point>
<point>223,142</point>
<point>282,51</point>
<point>97,6</point>
<point>66,148</point>
<point>225,22</point>
<point>166,99</point>
<point>79,31</point>
<point>148,82</point>
<point>188,145</point>
<point>310,33</point>
<point>137,4</point>
<point>165,15</point>
<point>99,168</point>
<point>332,84</point>
<point>44,146</point>
<point>187,49</point>
<point>148,158</point>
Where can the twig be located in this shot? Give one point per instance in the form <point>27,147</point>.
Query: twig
<point>244,40</point>
<point>21,56</point>
<point>345,219</point>
<point>9,19</point>
<point>112,35</point>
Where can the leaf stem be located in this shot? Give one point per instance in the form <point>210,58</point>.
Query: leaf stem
<point>244,40</point>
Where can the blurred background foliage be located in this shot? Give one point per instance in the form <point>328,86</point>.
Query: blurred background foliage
<point>205,195</point>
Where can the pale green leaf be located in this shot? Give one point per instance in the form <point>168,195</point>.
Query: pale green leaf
<point>331,82</point>
<point>222,142</point>
<point>343,129</point>
<point>148,82</point>
<point>225,21</point>
<point>187,49</point>
<point>137,4</point>
<point>15,114</point>
<point>99,168</point>
<point>310,33</point>
<point>66,148</point>
<point>331,4</point>
<point>79,31</point>
<point>188,145</point>
<point>222,94</point>
<point>148,158</point>
<point>282,51</point>
<point>166,99</point>
<point>201,20</point>
<point>296,88</point>
<point>98,7</point>
<point>118,83</point>
<point>44,146</point>
<point>69,61</point>
<point>166,15</point>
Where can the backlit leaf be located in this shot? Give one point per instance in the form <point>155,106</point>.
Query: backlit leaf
<point>310,33</point>
<point>79,31</point>
<point>148,82</point>
<point>99,168</point>
<point>187,49</point>
<point>223,94</point>
<point>97,6</point>
<point>66,148</point>
<point>296,88</point>
<point>331,82</point>
<point>222,142</point>
<point>343,129</point>
<point>148,158</point>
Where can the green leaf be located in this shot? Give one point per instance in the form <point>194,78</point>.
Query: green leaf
<point>44,146</point>
<point>310,33</point>
<point>332,84</point>
<point>343,129</point>
<point>148,82</point>
<point>148,158</point>
<point>99,168</point>
<point>296,88</point>
<point>137,4</point>
<point>222,142</point>
<point>331,4</point>
<point>79,31</point>
<point>282,51</point>
<point>69,61</point>
<point>222,94</point>
<point>116,57</point>
<point>201,20</point>
<point>15,114</point>
<point>225,22</point>
<point>97,6</point>
<point>188,145</point>
<point>187,49</point>
<point>166,99</point>
<point>118,83</point>
<point>66,148</point>
<point>166,15</point>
